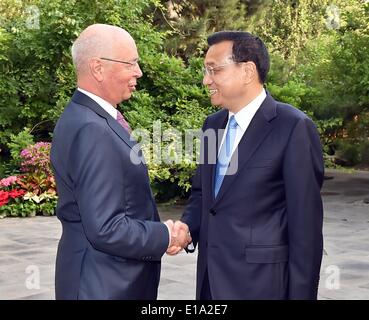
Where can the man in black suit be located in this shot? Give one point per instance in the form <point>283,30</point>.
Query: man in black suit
<point>112,240</point>
<point>256,211</point>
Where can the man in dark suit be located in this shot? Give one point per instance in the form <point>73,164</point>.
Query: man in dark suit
<point>112,240</point>
<point>255,210</point>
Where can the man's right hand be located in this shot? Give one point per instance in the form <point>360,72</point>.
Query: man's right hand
<point>180,237</point>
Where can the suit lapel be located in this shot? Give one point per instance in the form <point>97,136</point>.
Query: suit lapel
<point>81,98</point>
<point>255,134</point>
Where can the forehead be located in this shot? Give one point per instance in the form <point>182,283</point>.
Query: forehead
<point>219,52</point>
<point>125,46</point>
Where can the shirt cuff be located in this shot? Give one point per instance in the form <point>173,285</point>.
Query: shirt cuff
<point>190,246</point>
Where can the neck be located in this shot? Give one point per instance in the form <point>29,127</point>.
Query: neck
<point>251,94</point>
<point>96,90</point>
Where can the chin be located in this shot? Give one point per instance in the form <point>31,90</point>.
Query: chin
<point>126,96</point>
<point>214,101</point>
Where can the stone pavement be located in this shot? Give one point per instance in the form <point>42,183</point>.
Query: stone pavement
<point>28,249</point>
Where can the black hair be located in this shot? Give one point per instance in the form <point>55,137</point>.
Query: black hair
<point>246,47</point>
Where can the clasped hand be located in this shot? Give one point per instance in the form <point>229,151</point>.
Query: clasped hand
<point>180,236</point>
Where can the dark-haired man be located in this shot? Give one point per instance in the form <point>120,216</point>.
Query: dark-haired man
<point>256,212</point>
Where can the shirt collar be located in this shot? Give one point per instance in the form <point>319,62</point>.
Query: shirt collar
<point>101,102</point>
<point>245,115</point>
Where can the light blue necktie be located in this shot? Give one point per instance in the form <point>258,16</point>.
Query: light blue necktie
<point>225,154</point>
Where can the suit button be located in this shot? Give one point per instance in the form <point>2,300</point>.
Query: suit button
<point>213,212</point>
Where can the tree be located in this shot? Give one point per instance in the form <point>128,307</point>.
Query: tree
<point>38,76</point>
<point>287,25</point>
<point>189,22</point>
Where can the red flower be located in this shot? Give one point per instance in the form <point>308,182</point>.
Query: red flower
<point>2,203</point>
<point>16,193</point>
<point>4,197</point>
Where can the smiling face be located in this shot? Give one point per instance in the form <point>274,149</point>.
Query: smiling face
<point>227,85</point>
<point>106,60</point>
<point>120,79</point>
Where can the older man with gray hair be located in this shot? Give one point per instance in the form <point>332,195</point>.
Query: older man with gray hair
<point>112,240</point>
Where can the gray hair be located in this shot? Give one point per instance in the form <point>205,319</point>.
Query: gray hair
<point>95,41</point>
<point>85,48</point>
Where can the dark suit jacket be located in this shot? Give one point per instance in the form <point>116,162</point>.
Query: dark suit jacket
<point>112,239</point>
<point>261,238</point>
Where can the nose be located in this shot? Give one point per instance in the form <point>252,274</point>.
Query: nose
<point>138,71</point>
<point>207,80</point>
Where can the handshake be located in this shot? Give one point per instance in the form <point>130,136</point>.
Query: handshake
<point>180,236</point>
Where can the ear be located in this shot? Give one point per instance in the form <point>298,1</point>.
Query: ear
<point>96,69</point>
<point>250,72</point>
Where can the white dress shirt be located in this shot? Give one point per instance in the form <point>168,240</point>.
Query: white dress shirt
<point>243,118</point>
<point>101,102</point>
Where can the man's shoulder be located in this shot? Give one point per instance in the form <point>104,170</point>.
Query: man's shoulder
<point>216,117</point>
<point>76,116</point>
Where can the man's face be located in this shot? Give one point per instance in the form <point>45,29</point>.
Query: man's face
<point>120,79</point>
<point>225,79</point>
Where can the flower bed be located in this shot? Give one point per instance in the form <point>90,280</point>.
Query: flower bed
<point>33,192</point>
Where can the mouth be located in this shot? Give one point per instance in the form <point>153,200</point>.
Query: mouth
<point>213,91</point>
<point>132,87</point>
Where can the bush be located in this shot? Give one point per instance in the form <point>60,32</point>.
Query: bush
<point>35,159</point>
<point>38,77</point>
<point>17,143</point>
<point>34,191</point>
<point>347,153</point>
<point>364,152</point>
<point>323,72</point>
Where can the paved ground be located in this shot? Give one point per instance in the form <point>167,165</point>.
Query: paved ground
<point>28,248</point>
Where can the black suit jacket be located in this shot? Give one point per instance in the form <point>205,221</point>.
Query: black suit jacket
<point>112,239</point>
<point>261,237</point>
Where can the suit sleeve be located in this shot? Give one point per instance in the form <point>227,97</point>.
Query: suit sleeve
<point>303,176</point>
<point>96,168</point>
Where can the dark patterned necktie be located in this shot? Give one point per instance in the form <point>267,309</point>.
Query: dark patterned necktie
<point>123,122</point>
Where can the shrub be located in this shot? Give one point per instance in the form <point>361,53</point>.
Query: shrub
<point>347,153</point>
<point>36,159</point>
<point>364,152</point>
<point>34,191</point>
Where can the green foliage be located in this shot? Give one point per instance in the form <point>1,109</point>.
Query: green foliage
<point>347,153</point>
<point>320,70</point>
<point>19,209</point>
<point>28,209</point>
<point>287,25</point>
<point>364,152</point>
<point>34,191</point>
<point>17,143</point>
<point>188,23</point>
<point>291,92</point>
<point>178,103</point>
<point>39,77</point>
